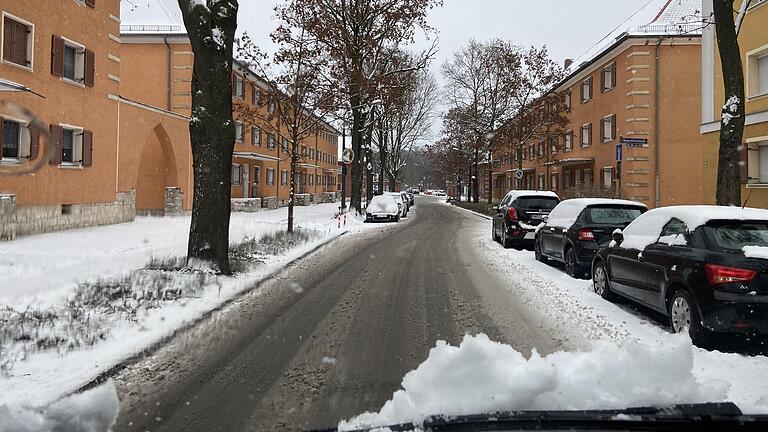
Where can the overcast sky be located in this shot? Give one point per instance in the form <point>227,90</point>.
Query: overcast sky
<point>567,27</point>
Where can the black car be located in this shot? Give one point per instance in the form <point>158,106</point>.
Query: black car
<point>576,228</point>
<point>704,267</point>
<point>518,215</point>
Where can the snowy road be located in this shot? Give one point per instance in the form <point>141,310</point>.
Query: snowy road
<point>333,335</point>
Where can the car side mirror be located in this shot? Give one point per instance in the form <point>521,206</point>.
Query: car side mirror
<point>617,236</point>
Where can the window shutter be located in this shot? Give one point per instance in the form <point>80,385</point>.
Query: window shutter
<point>8,34</point>
<point>613,126</point>
<point>602,130</point>
<point>89,68</point>
<point>34,143</point>
<point>91,3</point>
<point>1,137</point>
<point>57,56</point>
<point>56,137</point>
<point>590,87</point>
<point>744,164</point>
<point>602,80</point>
<point>613,75</point>
<point>87,148</point>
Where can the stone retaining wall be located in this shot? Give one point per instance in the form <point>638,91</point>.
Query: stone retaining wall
<point>18,221</point>
<point>302,199</point>
<point>248,205</point>
<point>174,201</point>
<point>269,202</point>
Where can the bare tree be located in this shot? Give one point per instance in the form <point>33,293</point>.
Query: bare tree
<point>211,28</point>
<point>358,35</point>
<point>299,96</point>
<point>732,115</point>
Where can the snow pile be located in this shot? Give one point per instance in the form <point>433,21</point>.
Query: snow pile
<point>646,229</point>
<point>94,410</point>
<point>482,376</point>
<point>755,252</point>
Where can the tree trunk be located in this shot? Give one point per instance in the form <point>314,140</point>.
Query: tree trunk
<point>292,191</point>
<point>211,132</point>
<point>392,181</point>
<point>732,120</point>
<point>490,181</point>
<point>356,196</point>
<point>476,177</point>
<point>368,164</point>
<point>382,159</point>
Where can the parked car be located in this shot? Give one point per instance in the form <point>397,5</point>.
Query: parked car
<point>440,193</point>
<point>383,208</point>
<point>576,228</point>
<point>409,197</point>
<point>415,191</point>
<point>704,267</point>
<point>403,203</point>
<point>518,214</point>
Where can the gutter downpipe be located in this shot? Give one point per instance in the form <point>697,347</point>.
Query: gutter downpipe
<point>168,62</point>
<point>657,199</point>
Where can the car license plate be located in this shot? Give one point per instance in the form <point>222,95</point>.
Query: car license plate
<point>530,236</point>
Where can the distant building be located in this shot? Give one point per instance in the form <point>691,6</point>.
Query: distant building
<point>638,89</point>
<point>753,42</point>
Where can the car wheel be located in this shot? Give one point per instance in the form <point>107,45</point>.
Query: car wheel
<point>571,267</point>
<point>504,240</point>
<point>397,218</point>
<point>493,232</point>
<point>537,250</point>
<point>600,282</point>
<point>684,316</point>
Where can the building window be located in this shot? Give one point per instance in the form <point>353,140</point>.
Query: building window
<point>542,185</point>
<point>271,143</point>
<point>283,177</point>
<point>256,175</point>
<point>757,73</point>
<point>238,86</point>
<point>608,77</point>
<point>255,95</point>
<point>256,136</point>
<point>271,106</point>
<point>239,131</point>
<point>71,146</point>
<point>586,135</point>
<point>567,179</point>
<point>607,177</point>
<point>270,176</point>
<point>311,153</point>
<point>18,39</point>
<point>568,101</point>
<point>12,132</point>
<point>608,128</point>
<point>568,144</point>
<point>586,90</point>
<point>237,174</point>
<point>588,177</point>
<point>553,181</point>
<point>552,144</point>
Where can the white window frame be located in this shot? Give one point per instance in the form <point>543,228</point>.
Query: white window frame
<point>270,177</point>
<point>256,136</point>
<point>235,180</point>
<point>553,181</point>
<point>257,175</point>
<point>542,182</point>
<point>271,142</point>
<point>607,129</point>
<point>239,131</point>
<point>752,82</point>
<point>753,160</point>
<point>584,86</point>
<point>79,79</point>
<point>568,100</point>
<point>608,73</point>
<point>586,126</point>
<point>606,170</point>
<point>568,142</point>
<point>77,146</point>
<point>30,42</point>
<point>24,141</point>
<point>239,86</point>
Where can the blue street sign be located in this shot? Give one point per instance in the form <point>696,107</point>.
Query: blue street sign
<point>618,152</point>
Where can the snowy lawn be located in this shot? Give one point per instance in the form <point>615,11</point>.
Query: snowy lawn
<point>625,358</point>
<point>72,286</point>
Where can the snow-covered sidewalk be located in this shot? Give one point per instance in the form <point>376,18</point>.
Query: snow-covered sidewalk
<point>44,271</point>
<point>624,358</point>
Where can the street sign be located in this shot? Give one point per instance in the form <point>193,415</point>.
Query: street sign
<point>618,152</point>
<point>519,174</point>
<point>347,155</point>
<point>634,142</point>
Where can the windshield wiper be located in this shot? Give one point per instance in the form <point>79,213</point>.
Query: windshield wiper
<point>706,416</point>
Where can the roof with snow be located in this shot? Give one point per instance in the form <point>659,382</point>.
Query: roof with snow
<point>150,16</point>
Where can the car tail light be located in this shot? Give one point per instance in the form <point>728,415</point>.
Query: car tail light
<point>586,234</point>
<point>717,274</point>
<point>511,214</point>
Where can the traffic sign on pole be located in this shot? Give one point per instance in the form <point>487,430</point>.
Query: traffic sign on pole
<point>618,152</point>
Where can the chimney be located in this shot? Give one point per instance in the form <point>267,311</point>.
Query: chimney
<point>568,63</point>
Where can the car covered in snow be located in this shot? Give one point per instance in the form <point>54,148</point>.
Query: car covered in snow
<point>704,267</point>
<point>383,208</point>
<point>519,213</point>
<point>576,228</point>
<point>401,201</point>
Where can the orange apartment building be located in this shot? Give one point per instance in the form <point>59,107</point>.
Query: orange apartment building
<point>158,70</point>
<point>639,91</point>
<point>753,42</point>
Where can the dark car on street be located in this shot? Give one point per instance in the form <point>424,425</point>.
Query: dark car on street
<point>704,267</point>
<point>518,214</point>
<point>576,228</point>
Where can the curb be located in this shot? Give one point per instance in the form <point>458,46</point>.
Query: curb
<point>473,212</point>
<point>152,348</point>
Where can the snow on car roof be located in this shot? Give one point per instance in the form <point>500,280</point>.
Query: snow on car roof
<point>565,214</point>
<point>646,229</point>
<point>518,193</point>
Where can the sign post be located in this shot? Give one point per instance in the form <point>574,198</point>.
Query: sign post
<point>619,155</point>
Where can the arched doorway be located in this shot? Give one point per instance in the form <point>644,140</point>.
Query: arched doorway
<point>157,170</point>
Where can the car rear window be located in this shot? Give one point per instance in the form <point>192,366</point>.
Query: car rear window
<point>611,215</point>
<point>734,235</point>
<point>536,203</point>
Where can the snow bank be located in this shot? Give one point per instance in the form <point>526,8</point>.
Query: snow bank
<point>482,376</point>
<point>646,229</point>
<point>94,410</point>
